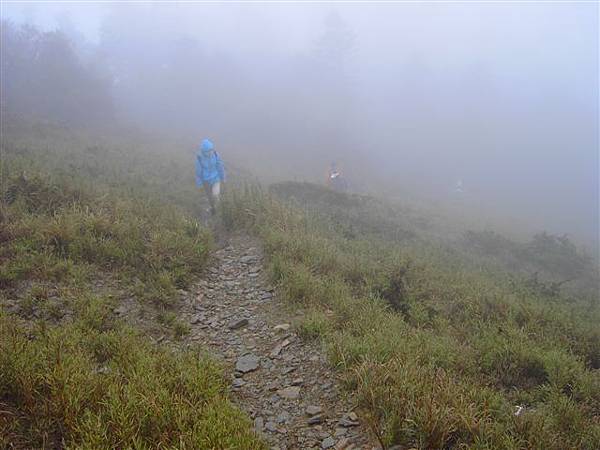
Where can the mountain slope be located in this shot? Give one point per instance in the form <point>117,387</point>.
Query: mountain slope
<point>442,355</point>
<point>441,343</point>
<point>87,231</point>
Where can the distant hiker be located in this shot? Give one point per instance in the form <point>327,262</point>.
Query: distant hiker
<point>334,178</point>
<point>459,189</point>
<point>210,172</point>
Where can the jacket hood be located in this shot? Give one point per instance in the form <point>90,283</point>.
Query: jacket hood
<point>207,146</point>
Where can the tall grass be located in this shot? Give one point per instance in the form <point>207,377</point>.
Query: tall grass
<point>84,226</point>
<point>440,355</point>
<point>98,384</point>
<point>48,226</point>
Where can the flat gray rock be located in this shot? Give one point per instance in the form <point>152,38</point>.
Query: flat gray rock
<point>247,363</point>
<point>238,383</point>
<point>282,327</point>
<point>313,410</point>
<point>339,432</point>
<point>279,347</point>
<point>196,318</point>
<point>283,417</point>
<point>290,393</point>
<point>248,259</point>
<point>347,422</point>
<point>259,424</point>
<point>314,420</point>
<point>234,324</point>
<point>327,443</point>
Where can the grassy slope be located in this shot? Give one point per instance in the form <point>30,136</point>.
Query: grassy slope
<point>555,259</point>
<point>85,226</point>
<point>439,350</point>
<point>439,343</point>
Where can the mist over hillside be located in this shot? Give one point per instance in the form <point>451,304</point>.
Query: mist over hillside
<point>407,99</point>
<point>394,245</point>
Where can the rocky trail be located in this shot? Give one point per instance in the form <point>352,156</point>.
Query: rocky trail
<point>282,382</point>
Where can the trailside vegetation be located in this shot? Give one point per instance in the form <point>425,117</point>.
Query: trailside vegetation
<point>86,228</point>
<point>440,354</point>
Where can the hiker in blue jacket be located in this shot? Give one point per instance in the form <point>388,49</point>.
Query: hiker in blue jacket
<point>210,172</point>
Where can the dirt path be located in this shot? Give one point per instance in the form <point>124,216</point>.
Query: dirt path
<point>281,381</point>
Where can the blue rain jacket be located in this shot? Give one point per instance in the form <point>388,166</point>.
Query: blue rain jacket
<point>209,166</point>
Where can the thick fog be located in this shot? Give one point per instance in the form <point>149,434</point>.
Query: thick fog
<point>407,98</point>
